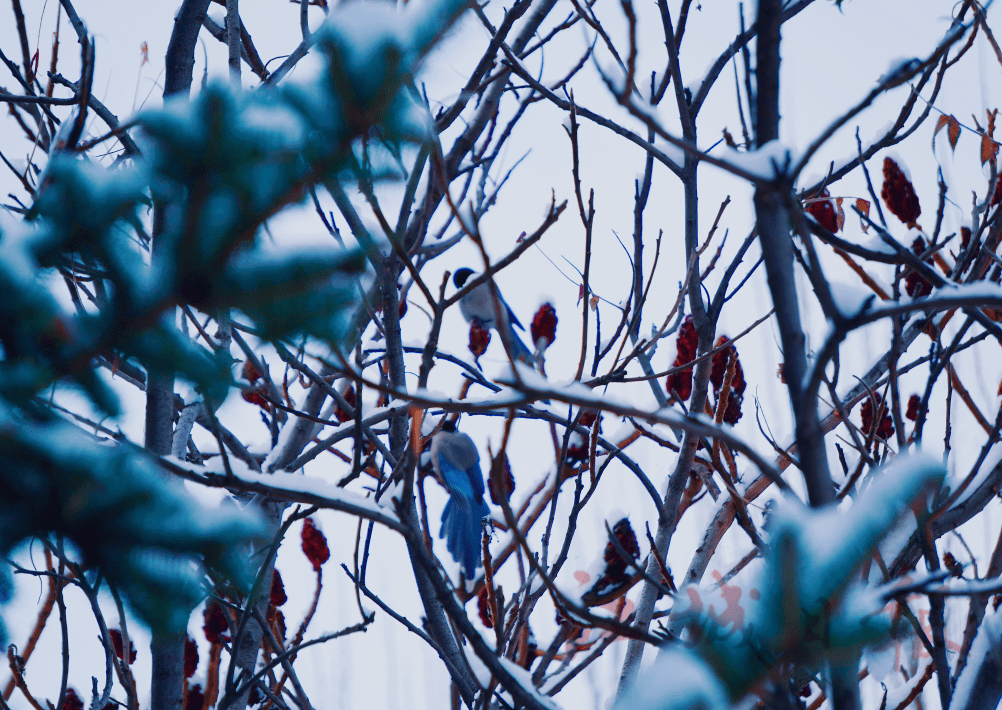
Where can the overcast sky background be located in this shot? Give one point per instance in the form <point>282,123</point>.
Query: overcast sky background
<point>830,60</point>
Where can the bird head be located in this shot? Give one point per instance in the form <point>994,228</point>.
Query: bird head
<point>449,425</point>
<point>461,276</point>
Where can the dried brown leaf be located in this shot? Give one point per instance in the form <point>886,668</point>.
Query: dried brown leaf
<point>942,121</point>
<point>989,149</point>
<point>864,208</point>
<point>953,132</point>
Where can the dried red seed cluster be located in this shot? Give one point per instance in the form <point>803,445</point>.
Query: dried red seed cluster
<point>577,445</point>
<point>577,448</point>
<point>116,642</point>
<point>278,596</point>
<point>965,233</point>
<point>679,384</point>
<point>899,195</point>
<point>916,285</point>
<point>624,534</point>
<point>402,303</point>
<point>616,567</point>
<point>544,325</point>
<point>508,483</point>
<point>314,544</point>
<point>824,212</point>
<point>254,396</point>
<point>279,618</point>
<point>72,701</point>
<point>718,371</point>
<point>190,657</point>
<point>951,563</point>
<point>249,372</point>
<point>214,624</point>
<point>195,698</point>
<point>480,338</point>
<point>349,397</point>
<point>483,609</point>
<point>913,407</point>
<point>885,429</point>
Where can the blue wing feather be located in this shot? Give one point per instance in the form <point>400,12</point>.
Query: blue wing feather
<point>459,482</point>
<point>520,350</point>
<point>463,514</point>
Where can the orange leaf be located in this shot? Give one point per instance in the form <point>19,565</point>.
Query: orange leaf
<point>943,120</point>
<point>953,132</point>
<point>864,207</point>
<point>840,217</point>
<point>989,149</point>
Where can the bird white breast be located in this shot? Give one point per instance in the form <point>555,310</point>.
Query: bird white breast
<point>479,304</point>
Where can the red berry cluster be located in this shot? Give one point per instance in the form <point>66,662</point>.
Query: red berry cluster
<point>544,325</point>
<point>899,195</point>
<point>507,483</point>
<point>194,699</point>
<point>116,642</point>
<point>480,338</point>
<point>824,212</point>
<point>718,373</point>
<point>885,427</point>
<point>951,563</point>
<point>349,397</point>
<point>484,609</point>
<point>679,384</point>
<point>254,396</point>
<point>215,625</point>
<point>616,568</point>
<point>916,285</point>
<point>72,701</point>
<point>190,657</point>
<point>314,544</point>
<point>577,445</point>
<point>278,596</point>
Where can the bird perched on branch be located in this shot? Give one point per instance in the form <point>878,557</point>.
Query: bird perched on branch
<point>479,306</point>
<point>456,462</point>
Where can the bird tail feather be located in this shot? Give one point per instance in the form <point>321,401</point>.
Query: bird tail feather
<point>519,350</point>
<point>461,530</point>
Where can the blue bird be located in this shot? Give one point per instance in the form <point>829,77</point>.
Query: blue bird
<point>457,464</point>
<point>478,305</point>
